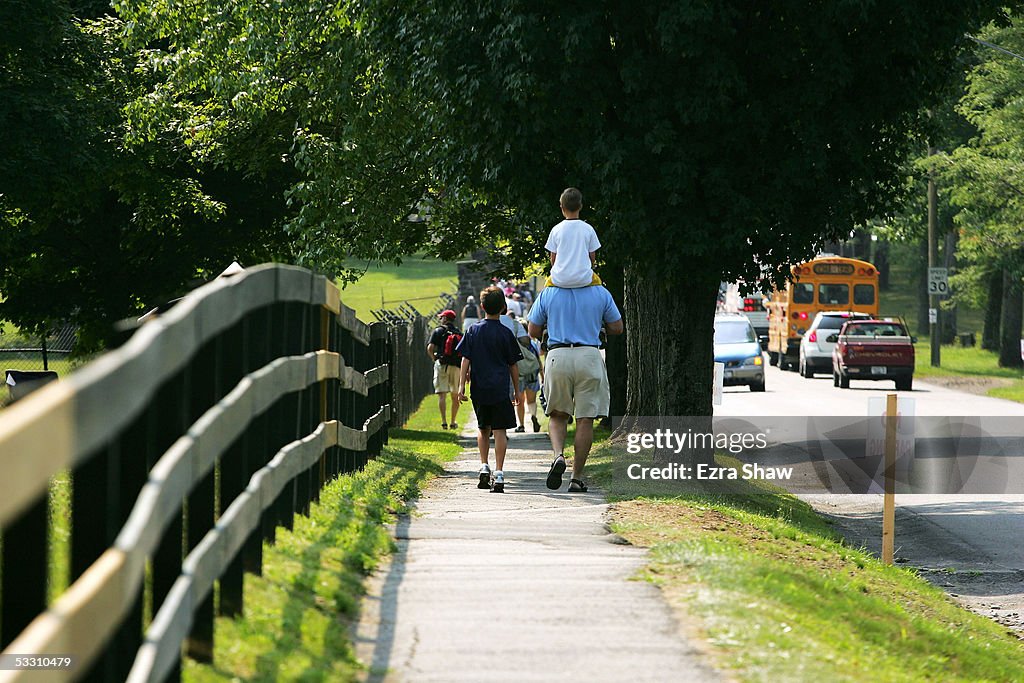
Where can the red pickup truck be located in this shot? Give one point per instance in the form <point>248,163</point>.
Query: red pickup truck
<point>873,349</point>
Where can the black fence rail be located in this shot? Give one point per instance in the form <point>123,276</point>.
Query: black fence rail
<point>253,391</point>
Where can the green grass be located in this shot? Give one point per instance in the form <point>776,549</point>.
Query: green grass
<point>59,536</point>
<point>959,360</point>
<point>419,280</point>
<point>1014,392</point>
<point>778,596</point>
<point>297,615</point>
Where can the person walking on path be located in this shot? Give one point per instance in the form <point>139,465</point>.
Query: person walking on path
<point>470,313</point>
<point>531,374</point>
<point>489,357</point>
<point>575,377</point>
<point>442,348</point>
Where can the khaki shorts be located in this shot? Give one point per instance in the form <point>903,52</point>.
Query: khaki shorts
<point>446,378</point>
<point>576,382</point>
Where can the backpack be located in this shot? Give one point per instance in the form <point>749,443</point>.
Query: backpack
<point>449,355</point>
<point>529,365</point>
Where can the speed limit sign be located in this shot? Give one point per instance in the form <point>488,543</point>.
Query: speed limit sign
<point>938,282</point>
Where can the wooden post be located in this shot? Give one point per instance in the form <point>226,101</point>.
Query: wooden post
<point>24,563</point>
<point>325,344</point>
<point>889,505</point>
<point>205,390</point>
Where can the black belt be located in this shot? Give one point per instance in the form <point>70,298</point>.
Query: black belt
<point>571,345</point>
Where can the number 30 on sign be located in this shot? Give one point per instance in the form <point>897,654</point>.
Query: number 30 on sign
<point>938,282</point>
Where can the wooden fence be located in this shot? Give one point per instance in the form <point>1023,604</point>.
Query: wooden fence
<point>252,392</point>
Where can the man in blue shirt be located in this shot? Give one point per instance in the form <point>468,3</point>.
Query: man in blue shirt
<point>575,377</point>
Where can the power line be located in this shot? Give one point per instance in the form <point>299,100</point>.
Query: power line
<point>993,46</point>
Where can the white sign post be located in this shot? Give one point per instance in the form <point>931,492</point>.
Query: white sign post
<point>938,282</point>
<point>877,412</point>
<point>716,396</point>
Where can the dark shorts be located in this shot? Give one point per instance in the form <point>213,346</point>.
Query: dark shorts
<point>495,415</point>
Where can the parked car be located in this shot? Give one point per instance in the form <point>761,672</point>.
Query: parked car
<point>873,349</point>
<point>737,347</point>
<point>815,348</point>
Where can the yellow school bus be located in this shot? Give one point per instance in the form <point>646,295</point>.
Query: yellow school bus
<point>828,283</point>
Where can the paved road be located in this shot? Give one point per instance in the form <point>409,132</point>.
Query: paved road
<point>524,586</point>
<point>969,545</point>
<point>787,393</point>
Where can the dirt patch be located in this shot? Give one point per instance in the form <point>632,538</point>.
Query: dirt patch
<point>968,383</point>
<point>646,523</point>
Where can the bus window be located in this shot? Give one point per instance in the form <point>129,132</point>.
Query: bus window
<point>833,294</point>
<point>803,293</point>
<point>864,295</point>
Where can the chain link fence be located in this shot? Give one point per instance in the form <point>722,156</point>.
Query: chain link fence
<point>19,351</point>
<point>33,353</point>
<point>412,369</point>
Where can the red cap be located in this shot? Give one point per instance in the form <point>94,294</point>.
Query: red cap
<point>447,313</point>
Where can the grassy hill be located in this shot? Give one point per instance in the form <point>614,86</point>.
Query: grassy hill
<point>420,281</point>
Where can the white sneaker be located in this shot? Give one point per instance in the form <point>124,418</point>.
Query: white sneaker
<point>498,482</point>
<point>485,477</point>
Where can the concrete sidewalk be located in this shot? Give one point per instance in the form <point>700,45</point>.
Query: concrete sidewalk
<point>528,585</point>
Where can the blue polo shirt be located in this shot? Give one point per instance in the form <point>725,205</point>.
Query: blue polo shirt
<point>491,349</point>
<point>574,316</point>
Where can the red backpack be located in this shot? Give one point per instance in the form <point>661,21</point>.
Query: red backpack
<point>450,356</point>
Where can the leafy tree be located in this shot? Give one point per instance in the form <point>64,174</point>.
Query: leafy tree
<point>983,178</point>
<point>291,73</point>
<point>93,229</point>
<point>711,142</point>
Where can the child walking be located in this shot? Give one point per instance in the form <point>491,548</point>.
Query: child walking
<point>572,246</point>
<point>489,356</point>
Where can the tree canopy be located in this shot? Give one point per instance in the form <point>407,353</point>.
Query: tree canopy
<point>95,228</point>
<point>711,141</point>
<point>986,174</point>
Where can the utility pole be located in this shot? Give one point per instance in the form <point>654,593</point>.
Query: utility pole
<point>934,333</point>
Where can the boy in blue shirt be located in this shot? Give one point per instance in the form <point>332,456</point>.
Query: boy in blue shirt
<point>489,356</point>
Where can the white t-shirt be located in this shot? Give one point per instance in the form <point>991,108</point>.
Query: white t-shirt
<point>572,240</point>
<point>514,307</point>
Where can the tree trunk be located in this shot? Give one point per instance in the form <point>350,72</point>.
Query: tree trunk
<point>670,351</point>
<point>949,326</point>
<point>922,289</point>
<point>882,264</point>
<point>615,350</point>
<point>1010,322</point>
<point>993,312</point>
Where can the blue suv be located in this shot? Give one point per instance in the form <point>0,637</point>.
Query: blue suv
<point>737,347</point>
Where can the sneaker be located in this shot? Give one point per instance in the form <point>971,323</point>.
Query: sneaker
<point>554,481</point>
<point>520,429</point>
<point>453,425</point>
<point>485,477</point>
<point>498,482</point>
<point>444,425</point>
<point>577,486</point>
<point>536,423</point>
